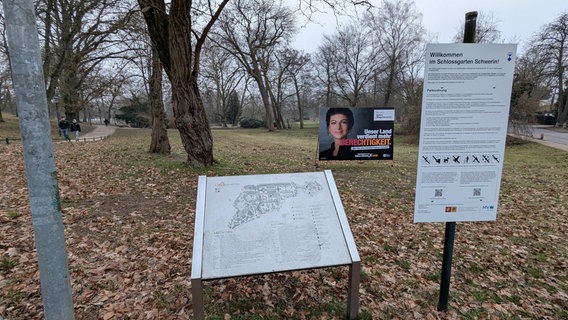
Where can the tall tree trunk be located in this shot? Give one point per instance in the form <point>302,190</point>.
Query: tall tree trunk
<point>300,106</point>
<point>390,83</point>
<point>562,106</point>
<point>71,95</point>
<point>192,124</point>
<point>563,110</point>
<point>241,101</point>
<point>266,102</point>
<point>189,112</point>
<point>275,105</point>
<point>276,111</point>
<point>277,116</point>
<point>356,90</point>
<point>171,36</point>
<point>257,76</point>
<point>265,98</point>
<point>160,142</point>
<point>109,108</point>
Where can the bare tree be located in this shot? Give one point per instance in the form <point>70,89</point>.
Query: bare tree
<point>531,84</point>
<point>180,56</point>
<point>146,59</point>
<point>78,37</point>
<point>160,142</point>
<point>179,35</point>
<point>410,78</point>
<point>353,62</point>
<point>398,31</point>
<point>113,86</point>
<point>250,31</point>
<point>6,97</point>
<point>552,45</point>
<point>297,62</point>
<point>281,78</point>
<point>225,75</point>
<point>325,58</point>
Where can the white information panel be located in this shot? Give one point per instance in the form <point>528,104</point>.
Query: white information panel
<point>271,223</point>
<point>465,110</point>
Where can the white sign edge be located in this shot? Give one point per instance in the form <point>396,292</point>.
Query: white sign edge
<point>347,235</point>
<point>197,255</point>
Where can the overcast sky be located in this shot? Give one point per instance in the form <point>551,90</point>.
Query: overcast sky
<point>518,20</point>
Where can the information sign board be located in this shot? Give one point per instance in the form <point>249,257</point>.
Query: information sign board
<point>255,224</point>
<point>465,109</point>
<point>270,223</point>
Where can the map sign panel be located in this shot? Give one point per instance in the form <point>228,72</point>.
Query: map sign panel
<point>270,223</point>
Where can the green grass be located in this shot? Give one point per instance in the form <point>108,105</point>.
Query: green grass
<point>14,298</point>
<point>514,299</point>
<point>481,295</point>
<point>10,126</point>
<point>389,248</point>
<point>475,314</point>
<point>561,313</point>
<point>13,214</point>
<point>7,264</point>
<point>535,273</point>
<point>404,264</point>
<point>364,276</point>
<point>476,269</point>
<point>434,276</point>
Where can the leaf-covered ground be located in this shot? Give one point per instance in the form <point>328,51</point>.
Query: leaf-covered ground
<point>129,218</point>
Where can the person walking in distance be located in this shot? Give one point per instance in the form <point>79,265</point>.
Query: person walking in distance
<point>75,128</point>
<point>64,126</point>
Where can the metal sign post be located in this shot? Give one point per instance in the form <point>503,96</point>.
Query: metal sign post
<point>449,235</point>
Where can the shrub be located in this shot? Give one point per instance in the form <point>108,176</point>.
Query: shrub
<point>251,123</point>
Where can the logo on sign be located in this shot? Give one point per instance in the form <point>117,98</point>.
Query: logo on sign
<point>383,115</point>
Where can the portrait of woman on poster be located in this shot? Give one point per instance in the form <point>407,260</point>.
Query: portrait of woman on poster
<point>339,122</point>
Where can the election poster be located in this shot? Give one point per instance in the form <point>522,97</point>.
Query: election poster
<point>356,134</point>
<point>465,112</point>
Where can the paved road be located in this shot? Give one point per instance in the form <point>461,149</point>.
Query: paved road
<point>547,134</point>
<point>550,137</point>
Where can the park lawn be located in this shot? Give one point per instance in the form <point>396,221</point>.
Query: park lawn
<point>129,217</point>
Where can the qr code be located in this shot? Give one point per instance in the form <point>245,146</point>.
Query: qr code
<point>476,192</point>
<point>437,192</point>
